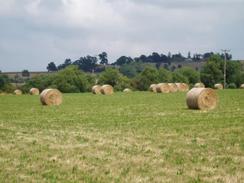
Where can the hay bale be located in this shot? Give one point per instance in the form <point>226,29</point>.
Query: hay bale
<point>199,85</point>
<point>219,86</point>
<point>107,90</point>
<point>127,90</point>
<point>153,88</point>
<point>17,92</point>
<point>163,88</point>
<point>51,97</point>
<point>186,87</point>
<point>173,87</point>
<point>96,89</point>
<point>201,98</point>
<point>182,87</point>
<point>242,86</point>
<point>34,91</point>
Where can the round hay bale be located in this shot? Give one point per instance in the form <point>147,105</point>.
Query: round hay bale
<point>163,88</point>
<point>201,98</point>
<point>96,89</point>
<point>127,90</point>
<point>219,86</point>
<point>34,91</point>
<point>153,88</point>
<point>186,87</point>
<point>107,90</point>
<point>242,86</point>
<point>51,97</point>
<point>173,87</point>
<point>17,92</point>
<point>199,85</point>
<point>182,87</point>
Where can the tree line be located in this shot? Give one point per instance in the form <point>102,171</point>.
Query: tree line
<point>99,63</point>
<point>71,79</point>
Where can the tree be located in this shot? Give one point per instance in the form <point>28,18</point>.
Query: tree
<point>71,80</point>
<point>123,83</point>
<point>212,71</point>
<point>25,73</point>
<point>189,55</point>
<point>66,63</point>
<point>128,70</point>
<point>179,78</point>
<point>177,58</point>
<point>3,81</point>
<point>192,75</point>
<point>206,56</point>
<point>233,72</point>
<point>103,57</point>
<point>68,80</point>
<point>5,84</point>
<point>51,67</point>
<point>109,76</point>
<point>164,75</point>
<point>123,60</point>
<point>155,57</point>
<point>87,64</point>
<point>146,78</point>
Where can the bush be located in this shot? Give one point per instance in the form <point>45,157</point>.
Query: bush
<point>192,75</point>
<point>231,86</point>
<point>109,76</point>
<point>164,75</point>
<point>124,82</point>
<point>68,80</point>
<point>143,80</point>
<point>71,80</point>
<point>5,85</point>
<point>179,78</point>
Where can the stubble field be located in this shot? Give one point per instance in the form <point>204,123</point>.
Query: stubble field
<point>134,137</point>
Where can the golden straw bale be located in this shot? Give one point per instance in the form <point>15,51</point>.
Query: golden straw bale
<point>199,85</point>
<point>219,86</point>
<point>163,88</point>
<point>107,90</point>
<point>242,86</point>
<point>173,87</point>
<point>201,98</point>
<point>153,88</point>
<point>186,87</point>
<point>96,89</point>
<point>17,92</point>
<point>127,90</point>
<point>51,97</point>
<point>34,91</point>
<point>182,87</point>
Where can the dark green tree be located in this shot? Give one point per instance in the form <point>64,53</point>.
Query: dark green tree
<point>146,78</point>
<point>179,78</point>
<point>123,60</point>
<point>192,75</point>
<point>212,71</point>
<point>25,73</point>
<point>51,67</point>
<point>109,76</point>
<point>66,63</point>
<point>165,76</point>
<point>103,57</point>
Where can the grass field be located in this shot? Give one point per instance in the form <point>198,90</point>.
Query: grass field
<point>136,137</point>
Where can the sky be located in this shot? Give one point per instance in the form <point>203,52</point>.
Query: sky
<point>36,32</point>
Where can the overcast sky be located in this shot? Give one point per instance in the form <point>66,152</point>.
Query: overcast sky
<point>36,32</point>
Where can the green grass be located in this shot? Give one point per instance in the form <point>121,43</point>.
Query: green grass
<point>136,137</point>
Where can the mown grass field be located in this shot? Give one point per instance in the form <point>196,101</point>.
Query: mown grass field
<point>136,137</point>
